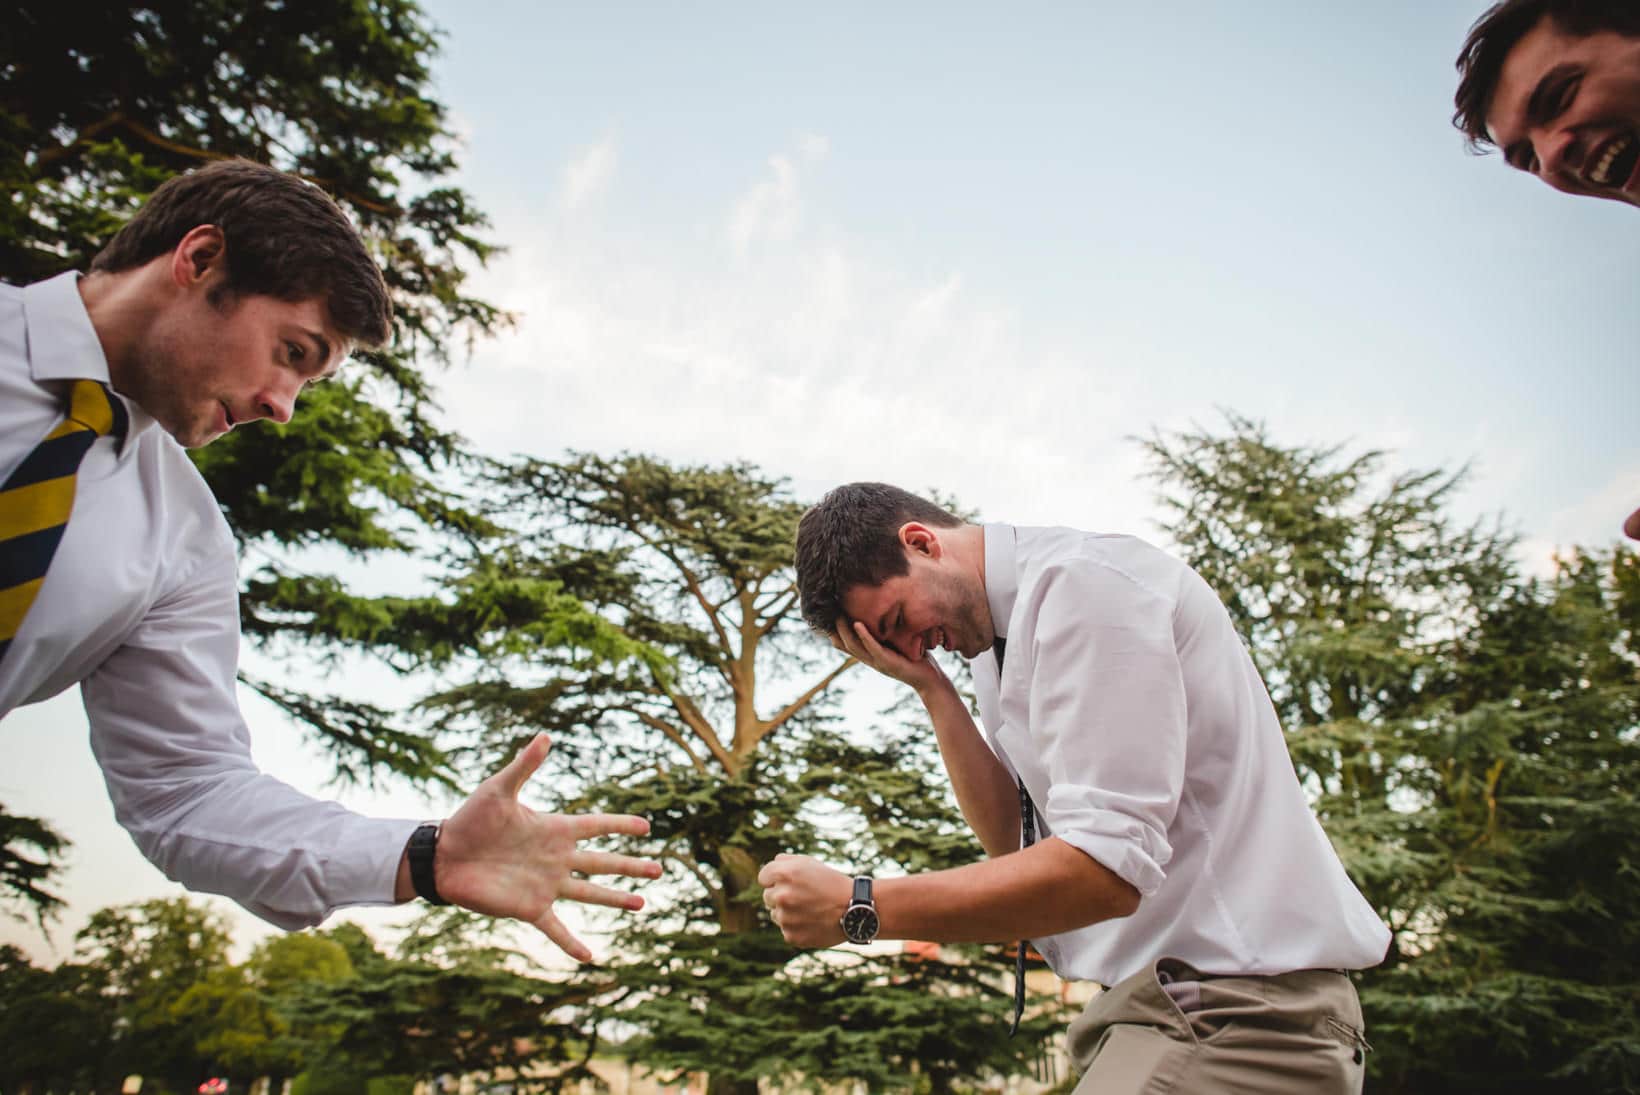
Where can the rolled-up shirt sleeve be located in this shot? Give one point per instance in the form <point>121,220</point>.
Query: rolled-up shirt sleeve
<point>174,749</point>
<point>1107,712</point>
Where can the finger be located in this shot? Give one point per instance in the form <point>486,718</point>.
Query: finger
<point>872,648</point>
<point>590,893</point>
<point>850,642</point>
<point>766,876</point>
<point>587,826</point>
<point>553,928</point>
<point>513,777</point>
<point>611,863</point>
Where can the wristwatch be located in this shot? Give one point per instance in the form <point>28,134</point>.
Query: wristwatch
<point>421,849</point>
<point>859,920</point>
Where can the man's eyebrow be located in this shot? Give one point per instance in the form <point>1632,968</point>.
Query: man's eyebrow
<point>882,621</point>
<point>1538,106</point>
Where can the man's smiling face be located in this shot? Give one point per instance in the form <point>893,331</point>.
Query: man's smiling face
<point>1566,108</point>
<point>931,607</point>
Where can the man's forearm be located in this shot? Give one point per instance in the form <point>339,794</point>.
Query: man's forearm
<point>987,796</point>
<point>1048,888</point>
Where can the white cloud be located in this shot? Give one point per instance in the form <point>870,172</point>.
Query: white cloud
<point>817,359</point>
<point>770,211</point>
<point>588,174</point>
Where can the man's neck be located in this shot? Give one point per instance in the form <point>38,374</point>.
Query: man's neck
<point>121,306</point>
<point>966,545</point>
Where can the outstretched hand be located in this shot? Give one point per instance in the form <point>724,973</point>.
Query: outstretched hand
<point>498,857</point>
<point>856,640</point>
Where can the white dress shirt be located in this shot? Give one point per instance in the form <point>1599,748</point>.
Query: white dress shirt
<point>1133,713</point>
<point>140,606</point>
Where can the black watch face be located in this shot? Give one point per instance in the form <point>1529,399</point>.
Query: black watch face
<point>860,924</point>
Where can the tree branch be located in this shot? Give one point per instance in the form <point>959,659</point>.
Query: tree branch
<point>802,701</point>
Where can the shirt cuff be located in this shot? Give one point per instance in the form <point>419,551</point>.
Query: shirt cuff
<point>371,876</point>
<point>1132,849</point>
<point>303,888</point>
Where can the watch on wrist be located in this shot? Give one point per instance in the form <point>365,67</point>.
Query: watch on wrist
<point>421,849</point>
<point>859,920</point>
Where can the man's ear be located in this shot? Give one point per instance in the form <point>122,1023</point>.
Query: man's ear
<point>201,251</point>
<point>919,539</point>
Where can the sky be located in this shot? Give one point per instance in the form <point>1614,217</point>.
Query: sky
<point>980,249</point>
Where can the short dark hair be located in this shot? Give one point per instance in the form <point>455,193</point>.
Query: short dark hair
<point>852,538</point>
<point>1505,24</point>
<point>285,238</point>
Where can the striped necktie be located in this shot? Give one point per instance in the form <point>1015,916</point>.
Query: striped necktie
<point>35,502</point>
<point>1027,837</point>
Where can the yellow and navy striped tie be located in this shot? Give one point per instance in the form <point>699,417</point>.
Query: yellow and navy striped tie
<point>38,497</point>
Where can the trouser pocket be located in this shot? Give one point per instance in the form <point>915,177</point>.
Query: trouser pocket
<point>1351,1037</point>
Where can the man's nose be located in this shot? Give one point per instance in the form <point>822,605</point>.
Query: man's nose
<point>1560,155</point>
<point>277,403</point>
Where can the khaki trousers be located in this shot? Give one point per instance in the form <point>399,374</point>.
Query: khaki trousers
<point>1297,1033</point>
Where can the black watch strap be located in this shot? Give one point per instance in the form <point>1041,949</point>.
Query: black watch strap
<point>862,891</point>
<point>423,844</point>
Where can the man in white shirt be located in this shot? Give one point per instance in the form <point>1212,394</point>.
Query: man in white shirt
<point>231,289</point>
<point>1178,861</point>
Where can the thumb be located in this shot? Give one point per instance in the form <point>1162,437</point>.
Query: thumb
<point>517,773</point>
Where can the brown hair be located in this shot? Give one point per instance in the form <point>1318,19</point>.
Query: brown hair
<point>1505,24</point>
<point>852,538</point>
<point>285,238</point>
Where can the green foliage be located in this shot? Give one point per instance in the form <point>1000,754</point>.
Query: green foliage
<point>31,856</point>
<point>155,994</point>
<point>453,1002</point>
<point>233,1012</point>
<point>742,1006</point>
<point>147,957</point>
<point>1469,734</point>
<point>57,1025</point>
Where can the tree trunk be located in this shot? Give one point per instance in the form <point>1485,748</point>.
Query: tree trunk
<point>739,875</point>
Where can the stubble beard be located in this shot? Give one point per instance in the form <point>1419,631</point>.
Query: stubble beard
<point>154,382</point>
<point>968,612</point>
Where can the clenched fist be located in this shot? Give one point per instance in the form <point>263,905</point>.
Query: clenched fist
<point>805,899</point>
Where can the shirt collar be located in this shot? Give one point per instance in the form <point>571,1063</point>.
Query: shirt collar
<point>63,345</point>
<point>1001,575</point>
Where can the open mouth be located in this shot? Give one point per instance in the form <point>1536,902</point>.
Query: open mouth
<point>1613,162</point>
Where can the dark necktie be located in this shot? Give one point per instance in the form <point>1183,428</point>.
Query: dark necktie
<point>36,500</point>
<point>1027,837</point>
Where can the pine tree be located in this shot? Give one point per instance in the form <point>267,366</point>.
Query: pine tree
<point>1468,736</point>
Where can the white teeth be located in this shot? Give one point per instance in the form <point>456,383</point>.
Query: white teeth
<point>1613,150</point>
